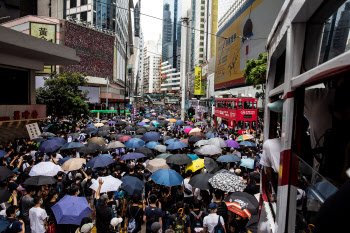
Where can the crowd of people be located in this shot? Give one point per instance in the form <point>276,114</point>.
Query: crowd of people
<point>147,206</point>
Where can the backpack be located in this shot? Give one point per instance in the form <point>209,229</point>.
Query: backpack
<point>197,224</point>
<point>219,228</point>
<point>132,225</point>
<point>60,189</point>
<point>180,224</point>
<point>87,189</point>
<point>152,218</point>
<point>6,222</point>
<point>187,191</point>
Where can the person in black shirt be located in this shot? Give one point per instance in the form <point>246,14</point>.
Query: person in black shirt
<point>196,217</point>
<point>103,212</point>
<point>134,212</point>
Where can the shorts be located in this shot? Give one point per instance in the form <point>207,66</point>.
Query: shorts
<point>90,200</point>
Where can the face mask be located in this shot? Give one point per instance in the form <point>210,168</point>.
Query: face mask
<point>18,213</point>
<point>15,178</point>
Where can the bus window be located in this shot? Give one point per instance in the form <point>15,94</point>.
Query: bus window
<point>247,125</point>
<point>239,125</point>
<point>235,105</point>
<point>246,104</point>
<point>253,125</point>
<point>255,105</point>
<point>240,104</point>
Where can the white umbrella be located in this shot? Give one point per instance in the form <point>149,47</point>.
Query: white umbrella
<point>160,148</point>
<point>156,164</point>
<point>109,184</point>
<point>98,125</point>
<point>145,120</point>
<point>227,182</point>
<point>45,169</point>
<point>116,144</point>
<point>208,150</point>
<point>219,142</point>
<point>195,130</point>
<point>201,143</point>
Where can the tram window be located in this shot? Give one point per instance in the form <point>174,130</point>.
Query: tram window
<point>235,105</point>
<point>254,125</point>
<point>240,105</point>
<point>255,105</point>
<point>239,125</point>
<point>248,104</point>
<point>247,125</point>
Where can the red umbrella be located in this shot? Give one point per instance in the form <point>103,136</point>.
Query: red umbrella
<point>184,141</point>
<point>124,138</point>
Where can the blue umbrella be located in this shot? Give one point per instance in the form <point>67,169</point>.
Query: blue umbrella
<point>248,163</point>
<point>148,115</point>
<point>132,185</point>
<point>99,161</point>
<point>167,177</point>
<point>134,143</point>
<point>60,140</point>
<point>188,127</point>
<point>176,145</point>
<point>179,122</point>
<point>109,156</point>
<point>229,159</point>
<point>72,145</point>
<point>111,122</point>
<point>193,156</point>
<point>141,123</point>
<point>61,161</point>
<point>171,141</point>
<point>71,210</point>
<point>90,126</point>
<point>151,136</point>
<point>39,139</point>
<point>152,145</point>
<point>247,143</point>
<point>320,191</point>
<point>2,153</point>
<point>209,135</point>
<point>131,156</point>
<point>49,146</point>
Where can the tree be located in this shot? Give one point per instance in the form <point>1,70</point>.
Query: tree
<point>62,95</point>
<point>255,73</point>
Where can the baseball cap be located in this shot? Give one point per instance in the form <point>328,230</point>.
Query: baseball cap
<point>212,206</point>
<point>86,228</point>
<point>155,227</point>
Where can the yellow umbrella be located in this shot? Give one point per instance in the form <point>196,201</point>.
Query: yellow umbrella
<point>98,125</point>
<point>73,164</point>
<point>195,165</point>
<point>172,120</point>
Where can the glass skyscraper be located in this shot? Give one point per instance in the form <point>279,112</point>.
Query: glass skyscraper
<point>171,42</point>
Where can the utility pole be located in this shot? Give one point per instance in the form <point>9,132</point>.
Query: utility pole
<point>184,27</point>
<point>126,66</point>
<point>107,93</point>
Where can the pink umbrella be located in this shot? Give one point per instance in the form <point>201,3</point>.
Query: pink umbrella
<point>154,113</point>
<point>184,141</point>
<point>124,138</point>
<point>190,123</point>
<point>187,130</point>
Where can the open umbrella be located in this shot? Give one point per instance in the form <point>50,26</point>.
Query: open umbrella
<point>152,128</point>
<point>134,143</point>
<point>5,173</point>
<point>152,145</point>
<point>201,142</point>
<point>219,142</point>
<point>195,165</point>
<point>111,122</point>
<point>232,143</point>
<point>193,156</point>
<point>124,138</point>
<point>208,150</point>
<point>89,130</point>
<point>160,148</point>
<point>176,145</point>
<point>2,153</point>
<point>247,143</point>
<point>179,159</point>
<point>179,122</point>
<point>4,195</point>
<point>115,136</point>
<point>242,203</point>
<point>166,138</point>
<point>39,180</point>
<point>156,164</point>
<point>195,130</point>
<point>98,125</point>
<point>109,184</point>
<point>71,210</point>
<point>102,133</point>
<point>201,181</point>
<point>227,182</point>
<point>99,161</point>
<point>97,140</point>
<point>151,136</point>
<point>141,123</point>
<point>228,158</point>
<point>62,161</point>
<point>132,156</point>
<point>163,156</point>
<point>248,163</point>
<point>244,137</point>
<point>129,128</point>
<point>194,139</point>
<point>145,151</point>
<point>210,135</point>
<point>142,130</point>
<point>167,177</point>
<point>132,185</point>
<point>197,133</point>
<point>184,141</point>
<point>73,164</point>
<point>37,140</point>
<point>114,145</point>
<point>49,146</point>
<point>187,130</point>
<point>172,120</point>
<point>47,134</point>
<point>146,120</point>
<point>45,169</point>
<point>72,145</point>
<point>169,141</point>
<point>210,165</point>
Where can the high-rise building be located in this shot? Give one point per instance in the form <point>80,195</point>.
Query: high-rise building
<point>171,43</point>
<point>13,9</point>
<point>151,68</point>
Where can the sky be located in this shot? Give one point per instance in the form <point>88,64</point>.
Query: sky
<point>151,27</point>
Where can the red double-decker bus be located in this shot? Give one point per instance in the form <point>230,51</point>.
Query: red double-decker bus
<point>237,113</point>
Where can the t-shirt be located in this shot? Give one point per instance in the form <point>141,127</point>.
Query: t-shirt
<point>193,218</point>
<point>27,203</point>
<point>173,222</point>
<point>14,227</point>
<point>103,218</point>
<point>271,154</point>
<point>137,213</point>
<point>151,211</point>
<point>187,185</point>
<point>37,216</point>
<point>211,221</point>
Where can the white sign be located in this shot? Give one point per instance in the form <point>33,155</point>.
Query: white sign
<point>33,130</point>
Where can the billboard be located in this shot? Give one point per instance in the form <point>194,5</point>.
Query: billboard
<point>242,38</point>
<point>197,80</point>
<point>46,32</point>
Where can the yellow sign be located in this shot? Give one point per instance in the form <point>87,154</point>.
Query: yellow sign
<point>46,32</point>
<point>197,80</point>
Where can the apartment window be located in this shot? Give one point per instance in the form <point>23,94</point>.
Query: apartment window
<point>201,43</point>
<point>203,2</point>
<point>202,25</point>
<point>200,55</point>
<point>83,2</point>
<point>202,37</point>
<point>73,3</point>
<point>74,16</point>
<point>202,20</point>
<point>202,14</point>
<point>201,49</point>
<point>83,16</point>
<point>202,8</point>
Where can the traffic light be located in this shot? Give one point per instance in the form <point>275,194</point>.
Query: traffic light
<point>140,110</point>
<point>191,111</point>
<point>103,105</point>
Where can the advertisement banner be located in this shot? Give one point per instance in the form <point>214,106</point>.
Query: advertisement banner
<point>198,81</point>
<point>46,32</point>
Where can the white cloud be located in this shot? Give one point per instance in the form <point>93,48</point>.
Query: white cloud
<point>151,27</point>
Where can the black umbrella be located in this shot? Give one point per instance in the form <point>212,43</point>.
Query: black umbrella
<point>179,159</point>
<point>4,195</point>
<point>210,130</point>
<point>194,139</point>
<point>242,203</point>
<point>39,180</point>
<point>86,150</point>
<point>88,130</point>
<point>165,138</point>
<point>129,128</point>
<point>142,130</point>
<point>252,224</point>
<point>74,135</point>
<point>39,139</point>
<point>137,136</point>
<point>145,151</point>
<point>119,123</point>
<point>152,128</point>
<point>105,148</point>
<point>102,133</point>
<point>201,181</point>
<point>116,136</point>
<point>106,127</point>
<point>5,173</point>
<point>210,165</point>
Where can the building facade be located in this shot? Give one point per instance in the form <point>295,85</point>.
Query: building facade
<point>170,83</point>
<point>151,69</point>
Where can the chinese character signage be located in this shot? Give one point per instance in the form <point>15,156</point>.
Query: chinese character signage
<point>198,81</point>
<point>33,130</point>
<point>46,32</point>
